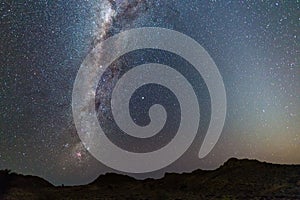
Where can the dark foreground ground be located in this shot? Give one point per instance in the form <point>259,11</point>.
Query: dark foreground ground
<point>236,179</point>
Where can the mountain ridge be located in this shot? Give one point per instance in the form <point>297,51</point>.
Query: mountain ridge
<point>235,179</point>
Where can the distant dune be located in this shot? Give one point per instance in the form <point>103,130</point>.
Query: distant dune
<point>235,179</point>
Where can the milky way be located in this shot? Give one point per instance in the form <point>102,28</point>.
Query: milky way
<point>255,45</point>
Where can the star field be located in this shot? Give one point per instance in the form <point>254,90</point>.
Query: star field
<point>255,44</point>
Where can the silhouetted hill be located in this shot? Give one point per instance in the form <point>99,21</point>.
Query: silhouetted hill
<point>111,178</point>
<point>16,182</point>
<point>235,179</point>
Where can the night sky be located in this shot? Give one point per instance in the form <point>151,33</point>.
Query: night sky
<point>255,44</point>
